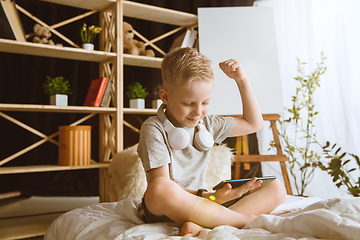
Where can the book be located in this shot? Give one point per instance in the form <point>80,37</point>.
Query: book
<point>187,39</point>
<point>107,94</point>
<point>10,23</point>
<point>96,92</point>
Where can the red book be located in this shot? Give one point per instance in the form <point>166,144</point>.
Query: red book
<point>96,92</point>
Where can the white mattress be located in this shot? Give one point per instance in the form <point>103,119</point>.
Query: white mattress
<point>337,218</point>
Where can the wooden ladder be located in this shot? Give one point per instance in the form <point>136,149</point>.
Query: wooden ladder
<point>242,153</point>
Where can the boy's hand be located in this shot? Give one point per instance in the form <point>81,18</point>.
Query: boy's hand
<point>233,69</point>
<point>228,193</point>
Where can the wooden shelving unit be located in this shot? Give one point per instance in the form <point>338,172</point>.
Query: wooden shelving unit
<point>34,49</point>
<point>49,168</point>
<point>52,108</point>
<point>111,61</point>
<point>137,10</point>
<point>111,117</point>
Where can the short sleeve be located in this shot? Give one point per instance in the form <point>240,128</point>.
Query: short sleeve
<point>219,126</point>
<point>153,148</point>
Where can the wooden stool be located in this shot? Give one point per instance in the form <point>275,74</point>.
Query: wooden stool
<point>242,153</point>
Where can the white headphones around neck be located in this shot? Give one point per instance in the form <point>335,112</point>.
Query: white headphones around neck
<point>179,138</point>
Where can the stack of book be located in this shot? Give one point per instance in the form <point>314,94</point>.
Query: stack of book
<point>99,92</point>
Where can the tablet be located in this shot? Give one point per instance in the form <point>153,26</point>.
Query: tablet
<point>238,182</point>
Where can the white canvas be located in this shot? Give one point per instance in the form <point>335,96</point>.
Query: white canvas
<point>246,34</point>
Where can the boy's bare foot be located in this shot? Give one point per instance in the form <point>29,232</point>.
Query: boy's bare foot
<point>190,229</point>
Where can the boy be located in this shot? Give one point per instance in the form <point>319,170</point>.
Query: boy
<point>176,174</point>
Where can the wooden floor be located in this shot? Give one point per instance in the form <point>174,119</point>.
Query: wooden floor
<point>29,218</point>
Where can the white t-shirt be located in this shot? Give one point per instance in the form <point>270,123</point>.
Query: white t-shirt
<point>187,167</point>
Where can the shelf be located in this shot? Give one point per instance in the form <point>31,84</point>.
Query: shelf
<point>146,111</point>
<point>85,4</point>
<point>158,14</point>
<point>48,168</point>
<point>141,61</point>
<point>70,109</point>
<point>53,108</point>
<point>137,10</point>
<point>28,217</point>
<point>28,48</point>
<point>36,49</point>
<point>31,227</point>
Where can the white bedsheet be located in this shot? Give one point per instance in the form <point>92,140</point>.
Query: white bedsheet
<point>337,218</point>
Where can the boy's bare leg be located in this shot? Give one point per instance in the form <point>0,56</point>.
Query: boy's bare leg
<point>262,201</point>
<point>165,197</point>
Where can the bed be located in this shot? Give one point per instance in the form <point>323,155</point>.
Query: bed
<point>309,218</point>
<point>337,218</point>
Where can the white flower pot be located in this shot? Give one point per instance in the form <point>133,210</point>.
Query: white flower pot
<point>156,103</point>
<point>88,46</point>
<point>59,100</point>
<point>137,103</point>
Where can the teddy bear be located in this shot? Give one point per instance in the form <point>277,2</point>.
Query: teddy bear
<point>42,35</point>
<point>133,46</point>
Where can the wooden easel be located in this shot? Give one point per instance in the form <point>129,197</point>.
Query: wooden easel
<point>242,153</point>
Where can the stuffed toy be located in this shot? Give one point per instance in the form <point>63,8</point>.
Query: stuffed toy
<point>128,178</point>
<point>132,46</point>
<point>42,35</point>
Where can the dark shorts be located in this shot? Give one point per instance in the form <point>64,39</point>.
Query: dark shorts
<point>149,217</point>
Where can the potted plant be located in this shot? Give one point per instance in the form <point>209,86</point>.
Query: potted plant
<point>137,94</point>
<point>305,152</point>
<point>297,128</point>
<point>156,102</point>
<point>88,35</point>
<point>58,89</point>
<point>337,169</point>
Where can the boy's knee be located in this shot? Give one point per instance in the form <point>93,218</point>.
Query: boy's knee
<point>158,192</point>
<point>279,190</point>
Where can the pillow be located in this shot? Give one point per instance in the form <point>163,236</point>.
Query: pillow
<point>128,178</point>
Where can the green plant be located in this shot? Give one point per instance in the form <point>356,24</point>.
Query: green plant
<point>297,131</point>
<point>136,90</point>
<point>57,85</point>
<point>337,169</point>
<point>88,34</point>
<point>302,156</point>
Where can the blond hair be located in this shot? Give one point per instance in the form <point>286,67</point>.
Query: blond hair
<point>181,66</point>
